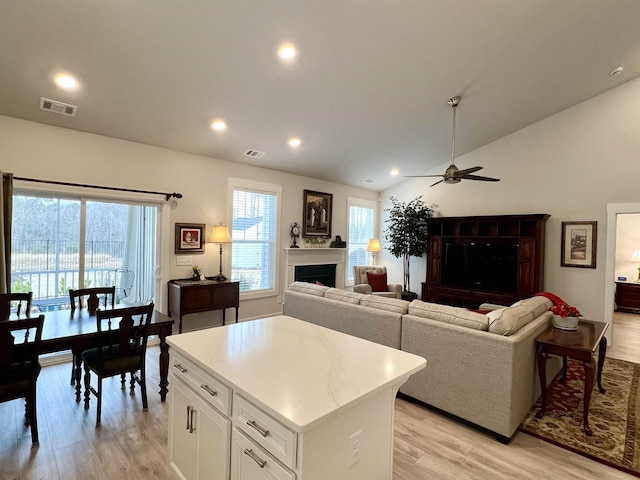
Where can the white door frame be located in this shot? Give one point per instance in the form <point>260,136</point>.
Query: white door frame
<point>613,210</point>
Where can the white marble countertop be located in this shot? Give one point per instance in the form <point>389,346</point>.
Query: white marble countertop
<point>296,371</point>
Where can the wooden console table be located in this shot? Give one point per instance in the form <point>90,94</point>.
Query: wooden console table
<point>195,296</point>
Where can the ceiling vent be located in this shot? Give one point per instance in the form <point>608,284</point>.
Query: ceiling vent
<point>254,153</point>
<point>58,107</point>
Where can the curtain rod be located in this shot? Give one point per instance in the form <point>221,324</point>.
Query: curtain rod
<point>84,185</point>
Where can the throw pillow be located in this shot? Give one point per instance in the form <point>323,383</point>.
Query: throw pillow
<point>318,282</point>
<point>378,281</point>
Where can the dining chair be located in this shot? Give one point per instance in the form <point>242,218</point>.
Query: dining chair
<point>20,301</point>
<point>19,367</point>
<point>88,298</point>
<point>121,349</point>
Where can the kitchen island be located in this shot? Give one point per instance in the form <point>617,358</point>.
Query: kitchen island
<point>282,398</point>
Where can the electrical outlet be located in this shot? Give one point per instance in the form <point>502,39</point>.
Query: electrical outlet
<point>182,261</point>
<point>279,299</point>
<point>355,444</point>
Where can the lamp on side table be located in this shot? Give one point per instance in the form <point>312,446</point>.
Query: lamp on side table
<point>220,235</point>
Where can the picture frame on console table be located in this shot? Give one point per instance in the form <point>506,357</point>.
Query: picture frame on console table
<point>579,244</point>
<point>316,215</point>
<point>190,238</point>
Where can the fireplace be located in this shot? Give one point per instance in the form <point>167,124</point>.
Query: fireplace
<point>315,257</point>
<point>325,274</point>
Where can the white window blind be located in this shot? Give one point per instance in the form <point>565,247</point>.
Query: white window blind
<point>361,230</point>
<point>255,222</point>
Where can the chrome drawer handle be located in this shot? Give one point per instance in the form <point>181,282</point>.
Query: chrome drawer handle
<point>180,367</point>
<point>188,412</point>
<point>255,458</point>
<point>209,390</point>
<point>262,431</point>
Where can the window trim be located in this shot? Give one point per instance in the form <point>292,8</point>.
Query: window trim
<point>358,202</point>
<point>260,187</point>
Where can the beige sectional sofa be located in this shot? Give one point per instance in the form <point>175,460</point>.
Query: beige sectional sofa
<point>480,367</point>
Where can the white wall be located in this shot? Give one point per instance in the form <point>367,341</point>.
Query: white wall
<point>627,241</point>
<point>570,165</point>
<point>34,150</point>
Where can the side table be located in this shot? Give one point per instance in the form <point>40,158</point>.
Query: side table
<point>195,296</point>
<point>579,345</point>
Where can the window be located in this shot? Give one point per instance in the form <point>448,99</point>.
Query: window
<point>61,243</point>
<point>362,214</point>
<point>254,233</point>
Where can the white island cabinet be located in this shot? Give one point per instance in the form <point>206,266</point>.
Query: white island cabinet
<point>280,398</point>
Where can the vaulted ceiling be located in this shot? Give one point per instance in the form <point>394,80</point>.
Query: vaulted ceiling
<point>366,93</point>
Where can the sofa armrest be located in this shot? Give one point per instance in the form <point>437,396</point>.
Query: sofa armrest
<point>363,288</point>
<point>395,288</point>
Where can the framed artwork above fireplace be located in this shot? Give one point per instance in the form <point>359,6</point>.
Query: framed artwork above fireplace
<point>316,216</point>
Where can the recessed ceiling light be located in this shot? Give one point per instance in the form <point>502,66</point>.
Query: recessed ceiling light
<point>287,52</point>
<point>616,71</point>
<point>219,125</point>
<point>295,142</point>
<point>66,81</point>
<point>395,172</point>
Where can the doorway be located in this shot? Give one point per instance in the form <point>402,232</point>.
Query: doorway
<point>614,210</point>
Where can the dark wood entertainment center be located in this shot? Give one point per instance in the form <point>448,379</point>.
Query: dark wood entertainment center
<point>525,233</point>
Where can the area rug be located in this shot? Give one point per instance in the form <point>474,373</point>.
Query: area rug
<point>612,415</point>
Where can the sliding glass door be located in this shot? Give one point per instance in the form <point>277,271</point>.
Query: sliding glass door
<point>62,243</point>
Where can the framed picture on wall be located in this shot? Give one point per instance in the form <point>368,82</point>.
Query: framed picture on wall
<point>190,237</point>
<point>579,244</point>
<point>316,215</point>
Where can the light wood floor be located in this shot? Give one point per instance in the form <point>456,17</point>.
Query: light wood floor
<point>132,444</point>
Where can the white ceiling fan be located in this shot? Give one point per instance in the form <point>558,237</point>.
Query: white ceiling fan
<point>453,174</point>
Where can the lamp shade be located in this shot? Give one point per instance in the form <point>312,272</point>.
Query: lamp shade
<point>374,245</point>
<point>220,234</point>
<point>635,257</point>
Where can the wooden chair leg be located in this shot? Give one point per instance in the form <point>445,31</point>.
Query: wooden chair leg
<point>143,387</point>
<point>132,383</point>
<point>33,417</point>
<point>99,414</point>
<point>123,379</point>
<point>87,386</point>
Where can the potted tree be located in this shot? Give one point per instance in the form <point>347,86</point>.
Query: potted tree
<point>406,234</point>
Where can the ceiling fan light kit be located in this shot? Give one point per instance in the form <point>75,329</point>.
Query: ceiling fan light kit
<point>453,174</point>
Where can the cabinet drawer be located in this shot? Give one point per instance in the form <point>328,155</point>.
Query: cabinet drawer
<point>274,437</point>
<point>213,391</point>
<point>249,461</point>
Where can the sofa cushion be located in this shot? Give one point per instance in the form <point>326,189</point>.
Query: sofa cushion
<point>378,281</point>
<point>507,321</point>
<point>308,288</point>
<point>445,313</point>
<point>394,305</point>
<point>538,305</point>
<point>344,296</point>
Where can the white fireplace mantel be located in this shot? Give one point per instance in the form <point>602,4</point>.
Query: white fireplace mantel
<point>315,256</point>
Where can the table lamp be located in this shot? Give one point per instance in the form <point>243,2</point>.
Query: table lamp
<point>220,235</point>
<point>374,247</point>
<point>636,258</point>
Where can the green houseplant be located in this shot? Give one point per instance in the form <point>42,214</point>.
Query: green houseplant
<point>406,233</point>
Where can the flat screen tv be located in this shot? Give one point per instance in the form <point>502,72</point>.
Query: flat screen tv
<point>482,265</point>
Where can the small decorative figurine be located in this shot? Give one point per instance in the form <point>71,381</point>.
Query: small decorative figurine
<point>295,234</point>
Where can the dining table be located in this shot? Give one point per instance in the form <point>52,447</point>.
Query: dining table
<point>78,331</point>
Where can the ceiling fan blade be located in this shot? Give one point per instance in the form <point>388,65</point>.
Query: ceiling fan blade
<point>466,171</point>
<point>439,181</point>
<point>421,176</point>
<point>478,177</point>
